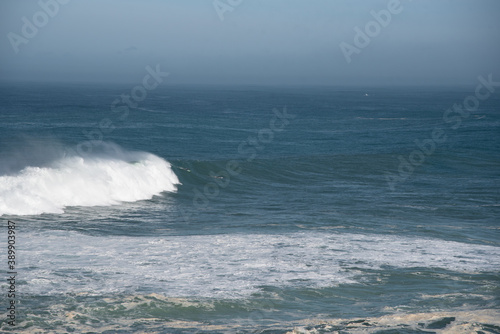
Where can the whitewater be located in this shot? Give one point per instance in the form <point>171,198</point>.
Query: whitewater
<point>90,180</point>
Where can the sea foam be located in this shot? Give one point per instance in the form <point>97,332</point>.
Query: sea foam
<point>233,266</point>
<point>72,180</point>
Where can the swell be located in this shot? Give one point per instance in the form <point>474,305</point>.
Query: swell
<point>289,171</point>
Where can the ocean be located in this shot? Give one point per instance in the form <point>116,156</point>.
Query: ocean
<point>249,209</point>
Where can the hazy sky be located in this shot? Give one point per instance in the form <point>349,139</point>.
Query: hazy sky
<point>257,42</point>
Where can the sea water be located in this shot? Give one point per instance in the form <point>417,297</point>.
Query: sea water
<point>250,210</point>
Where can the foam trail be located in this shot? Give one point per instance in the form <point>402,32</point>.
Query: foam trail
<point>101,179</point>
<point>232,266</point>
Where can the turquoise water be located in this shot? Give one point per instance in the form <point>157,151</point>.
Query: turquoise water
<point>251,209</point>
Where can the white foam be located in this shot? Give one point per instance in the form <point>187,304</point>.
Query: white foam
<point>459,322</point>
<point>89,181</point>
<point>229,266</point>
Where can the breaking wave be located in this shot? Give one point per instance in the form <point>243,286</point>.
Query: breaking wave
<point>101,179</point>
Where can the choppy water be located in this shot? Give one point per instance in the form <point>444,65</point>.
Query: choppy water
<point>225,210</point>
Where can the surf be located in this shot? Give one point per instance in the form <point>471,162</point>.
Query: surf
<point>106,178</point>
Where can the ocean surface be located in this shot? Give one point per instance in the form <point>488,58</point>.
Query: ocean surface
<point>194,209</point>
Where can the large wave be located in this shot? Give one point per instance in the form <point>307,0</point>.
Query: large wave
<point>105,178</point>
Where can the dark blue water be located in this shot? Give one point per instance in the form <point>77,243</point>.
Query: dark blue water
<point>246,209</point>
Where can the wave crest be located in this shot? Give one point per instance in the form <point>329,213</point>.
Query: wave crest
<point>85,181</point>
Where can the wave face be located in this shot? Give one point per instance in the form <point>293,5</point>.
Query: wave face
<point>104,178</point>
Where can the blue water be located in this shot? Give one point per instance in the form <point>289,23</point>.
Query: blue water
<point>251,209</point>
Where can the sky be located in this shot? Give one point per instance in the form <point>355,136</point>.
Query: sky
<point>275,42</point>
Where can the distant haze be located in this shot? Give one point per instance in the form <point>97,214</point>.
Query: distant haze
<point>257,42</point>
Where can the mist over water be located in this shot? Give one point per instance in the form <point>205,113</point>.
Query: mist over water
<point>257,42</point>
